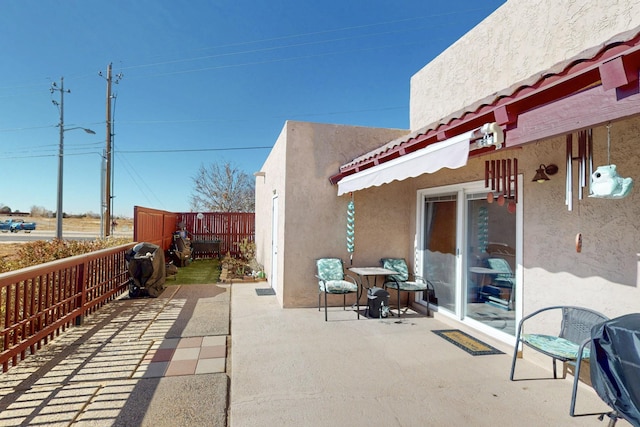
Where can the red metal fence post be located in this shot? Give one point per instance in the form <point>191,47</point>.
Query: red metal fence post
<point>81,292</point>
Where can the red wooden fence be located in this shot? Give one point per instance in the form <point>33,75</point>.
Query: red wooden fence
<point>214,233</point>
<point>154,226</point>
<point>37,303</point>
<point>228,228</point>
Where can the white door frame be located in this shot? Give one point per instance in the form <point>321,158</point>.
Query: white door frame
<point>274,242</point>
<point>461,190</point>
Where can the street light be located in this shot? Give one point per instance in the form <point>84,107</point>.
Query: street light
<point>60,171</point>
<point>60,105</point>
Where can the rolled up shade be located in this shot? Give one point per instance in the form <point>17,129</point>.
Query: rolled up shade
<point>452,153</point>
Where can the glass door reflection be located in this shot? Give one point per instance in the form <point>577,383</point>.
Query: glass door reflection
<point>491,283</point>
<point>440,235</point>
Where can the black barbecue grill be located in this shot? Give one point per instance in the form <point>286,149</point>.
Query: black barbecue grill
<point>615,366</point>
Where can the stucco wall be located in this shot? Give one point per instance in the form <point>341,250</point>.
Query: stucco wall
<point>312,216</point>
<point>605,274</point>
<point>270,185</point>
<point>520,39</point>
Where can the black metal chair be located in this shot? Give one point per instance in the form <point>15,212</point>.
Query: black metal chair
<point>400,282</point>
<point>333,280</point>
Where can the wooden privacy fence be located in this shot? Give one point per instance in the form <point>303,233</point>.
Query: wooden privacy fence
<point>37,303</point>
<point>226,228</point>
<point>154,226</point>
<point>212,233</point>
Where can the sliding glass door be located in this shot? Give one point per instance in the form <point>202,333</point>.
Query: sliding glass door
<point>439,248</point>
<point>468,249</point>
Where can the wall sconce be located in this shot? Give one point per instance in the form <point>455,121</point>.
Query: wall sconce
<point>543,171</point>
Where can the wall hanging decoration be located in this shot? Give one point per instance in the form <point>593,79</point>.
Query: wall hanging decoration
<point>585,161</point>
<point>351,217</point>
<point>502,177</point>
<point>483,229</point>
<point>605,181</point>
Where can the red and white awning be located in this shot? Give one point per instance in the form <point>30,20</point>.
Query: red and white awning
<point>452,153</point>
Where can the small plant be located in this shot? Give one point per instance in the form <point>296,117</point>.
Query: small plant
<point>247,249</point>
<point>235,267</point>
<point>246,263</point>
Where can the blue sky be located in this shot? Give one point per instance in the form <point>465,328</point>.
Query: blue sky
<point>202,82</point>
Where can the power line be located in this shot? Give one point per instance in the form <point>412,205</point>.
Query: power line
<point>194,150</point>
<point>177,150</point>
<point>431,18</point>
<point>313,33</point>
<point>244,120</point>
<point>131,171</point>
<point>271,61</point>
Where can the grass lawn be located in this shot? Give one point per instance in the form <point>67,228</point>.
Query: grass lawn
<point>200,271</point>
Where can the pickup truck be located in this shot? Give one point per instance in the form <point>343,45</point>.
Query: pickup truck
<point>15,225</point>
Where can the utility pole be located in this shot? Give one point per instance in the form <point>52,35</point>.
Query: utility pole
<point>55,88</point>
<point>107,180</point>
<point>108,198</point>
<point>60,105</point>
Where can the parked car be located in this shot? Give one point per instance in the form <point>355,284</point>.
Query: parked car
<point>15,225</point>
<point>5,225</point>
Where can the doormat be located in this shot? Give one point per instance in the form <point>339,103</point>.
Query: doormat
<point>265,291</point>
<point>466,342</point>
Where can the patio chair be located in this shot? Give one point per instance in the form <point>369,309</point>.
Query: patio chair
<point>400,282</point>
<point>568,346</point>
<point>332,280</point>
<point>505,279</point>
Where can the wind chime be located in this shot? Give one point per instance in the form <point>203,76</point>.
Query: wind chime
<point>502,177</point>
<point>585,159</point>
<point>351,216</point>
<point>605,183</point>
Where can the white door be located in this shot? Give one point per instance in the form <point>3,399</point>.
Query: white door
<point>274,242</point>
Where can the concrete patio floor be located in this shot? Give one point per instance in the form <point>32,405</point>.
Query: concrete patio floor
<point>221,355</point>
<point>291,368</point>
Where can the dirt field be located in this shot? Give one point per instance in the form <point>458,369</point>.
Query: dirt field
<point>74,224</point>
<point>69,224</point>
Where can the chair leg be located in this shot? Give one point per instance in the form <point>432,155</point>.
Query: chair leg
<point>325,306</point>
<point>576,378</point>
<point>515,352</point>
<point>399,311</point>
<point>574,391</point>
<point>513,361</point>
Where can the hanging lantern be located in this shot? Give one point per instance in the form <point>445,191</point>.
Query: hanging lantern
<point>351,213</point>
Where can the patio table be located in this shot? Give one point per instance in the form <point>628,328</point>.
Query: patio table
<point>367,272</point>
<point>483,272</point>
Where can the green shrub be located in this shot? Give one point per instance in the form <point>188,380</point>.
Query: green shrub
<point>41,251</point>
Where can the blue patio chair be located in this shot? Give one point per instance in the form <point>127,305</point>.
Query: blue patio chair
<point>568,346</point>
<point>332,280</point>
<point>400,282</point>
<point>504,279</point>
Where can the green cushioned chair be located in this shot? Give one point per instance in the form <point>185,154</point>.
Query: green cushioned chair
<point>568,346</point>
<point>505,278</point>
<point>400,282</point>
<point>332,280</point>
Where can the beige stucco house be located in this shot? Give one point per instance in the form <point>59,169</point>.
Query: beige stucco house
<point>559,80</point>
